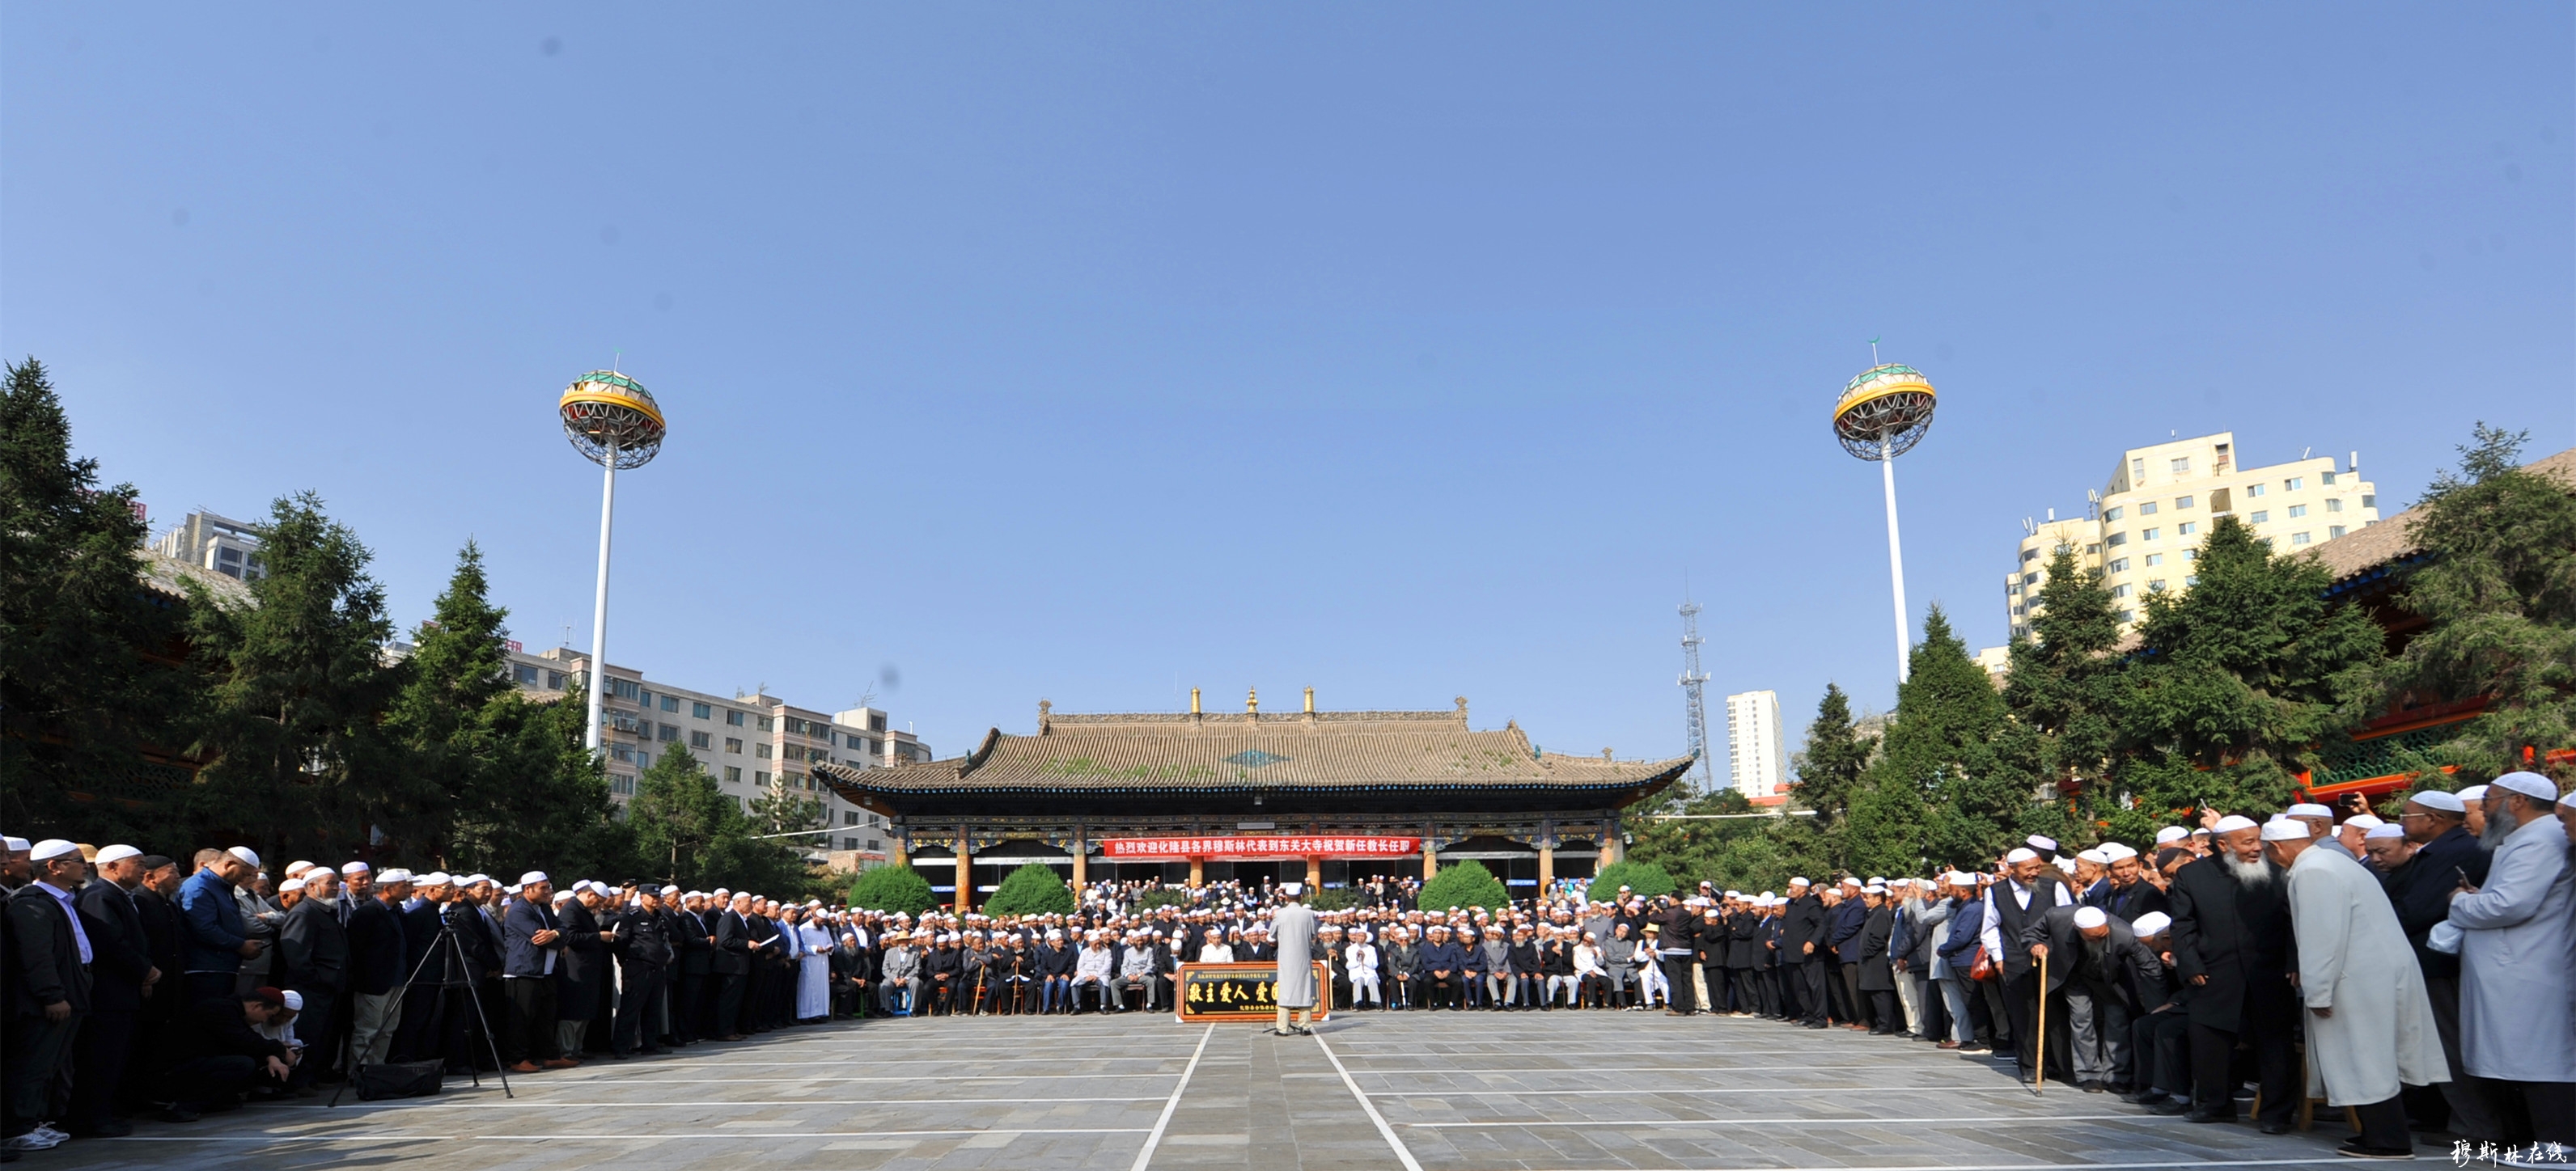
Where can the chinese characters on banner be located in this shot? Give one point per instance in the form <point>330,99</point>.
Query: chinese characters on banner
<point>1264,846</point>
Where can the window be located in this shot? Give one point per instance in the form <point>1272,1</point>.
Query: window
<point>2012,589</point>
<point>2298,538</point>
<point>2259,515</point>
<point>849,818</point>
<point>2333,531</point>
<point>623,688</point>
<point>2254,489</point>
<point>2029,579</point>
<point>765,723</point>
<point>734,718</point>
<point>670,703</point>
<point>795,752</point>
<point>2218,500</point>
<point>2030,554</point>
<point>2147,509</point>
<point>2155,559</point>
<point>554,681</point>
<point>701,711</point>
<point>2298,510</point>
<point>2018,611</point>
<point>2156,585</point>
<point>876,721</point>
<point>2186,528</point>
<point>2120,591</point>
<point>760,750</point>
<point>2138,469</point>
<point>621,784</point>
<point>2190,581</point>
<point>2294,483</point>
<point>2327,479</point>
<point>643,698</point>
<point>2128,615</point>
<point>701,740</point>
<point>2151,534</point>
<point>621,752</point>
<point>2092,550</point>
<point>2118,539</point>
<point>733,776</point>
<point>2111,514</point>
<point>643,759</point>
<point>761,779</point>
<point>849,843</point>
<point>2190,555</point>
<point>2335,505</point>
<point>2182,501</point>
<point>2182,466</point>
<point>2370,500</point>
<point>667,732</point>
<point>523,674</point>
<point>2118,565</point>
<point>733,745</point>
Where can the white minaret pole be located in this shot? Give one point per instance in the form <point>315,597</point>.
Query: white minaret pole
<point>595,739</point>
<point>1895,561</point>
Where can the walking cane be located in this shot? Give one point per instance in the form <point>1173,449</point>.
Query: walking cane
<point>2039,1050</point>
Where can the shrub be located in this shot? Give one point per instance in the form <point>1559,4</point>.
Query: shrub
<point>1163,896</point>
<point>1463,884</point>
<point>1033,889</point>
<point>1644,879</point>
<point>1339,898</point>
<point>892,888</point>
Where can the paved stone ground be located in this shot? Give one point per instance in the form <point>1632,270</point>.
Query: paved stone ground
<point>1564,1091</point>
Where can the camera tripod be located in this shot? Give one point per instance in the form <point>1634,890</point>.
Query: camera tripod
<point>446,947</point>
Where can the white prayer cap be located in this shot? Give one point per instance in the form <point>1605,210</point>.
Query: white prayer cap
<point>513,888</point>
<point>562,896</point>
<point>2233,822</point>
<point>2288,829</point>
<point>2041,843</point>
<point>2151,923</point>
<point>2364,820</point>
<point>2021,854</point>
<point>116,853</point>
<point>1853,882</point>
<point>2310,809</point>
<point>2088,918</point>
<point>251,859</point>
<point>533,877</point>
<point>294,999</point>
<point>2115,851</point>
<point>475,879</point>
<point>1767,894</point>
<point>290,885</point>
<point>2094,856</point>
<point>52,848</point>
<point>296,867</point>
<point>1292,889</point>
<point>1960,878</point>
<point>437,878</point>
<point>670,890</point>
<point>2437,799</point>
<point>2171,834</point>
<point>1873,890</point>
<point>2568,798</point>
<point>1792,882</point>
<point>15,844</point>
<point>2062,862</point>
<point>397,874</point>
<point>2473,793</point>
<point>1735,894</point>
<point>2380,832</point>
<point>2532,785</point>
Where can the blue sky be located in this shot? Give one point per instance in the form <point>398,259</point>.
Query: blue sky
<point>1405,351</point>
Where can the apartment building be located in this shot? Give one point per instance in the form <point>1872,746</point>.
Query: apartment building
<point>221,544</point>
<point>1757,757</point>
<point>754,744</point>
<point>2144,527</point>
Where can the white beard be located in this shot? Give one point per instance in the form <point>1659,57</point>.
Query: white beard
<point>2500,825</point>
<point>2255,873</point>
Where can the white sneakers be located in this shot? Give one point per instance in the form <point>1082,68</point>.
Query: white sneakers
<point>43,1138</point>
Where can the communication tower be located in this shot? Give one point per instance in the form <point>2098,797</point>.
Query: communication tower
<point>1693,680</point>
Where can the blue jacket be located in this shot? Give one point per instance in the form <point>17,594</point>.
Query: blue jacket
<point>1966,921</point>
<point>1443,957</point>
<point>1900,943</point>
<point>212,924</point>
<point>1842,929</point>
<point>519,925</point>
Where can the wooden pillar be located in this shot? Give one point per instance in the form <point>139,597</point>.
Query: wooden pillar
<point>965,875</point>
<point>1430,858</point>
<point>900,855</point>
<point>1546,868</point>
<point>1314,875</point>
<point>1198,870</point>
<point>1608,843</point>
<point>1080,849</point>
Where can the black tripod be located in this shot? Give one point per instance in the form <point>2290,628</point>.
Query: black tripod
<point>446,947</point>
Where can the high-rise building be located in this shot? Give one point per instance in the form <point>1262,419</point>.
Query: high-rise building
<point>2143,529</point>
<point>1757,760</point>
<point>207,541</point>
<point>754,745</point>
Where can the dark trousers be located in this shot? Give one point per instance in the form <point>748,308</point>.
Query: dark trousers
<point>2213,1053</point>
<point>531,1032</point>
<point>2160,1047</point>
<point>2021,1009</point>
<point>1677,972</point>
<point>416,1037</point>
<point>1885,1017</point>
<point>1855,1006</point>
<point>209,986</point>
<point>686,993</point>
<point>1812,1002</point>
<point>728,1005</point>
<point>319,1024</point>
<point>203,1080</point>
<point>106,1040</point>
<point>2472,1103</point>
<point>2383,1125</point>
<point>39,1062</point>
<point>2534,1111</point>
<point>635,1000</point>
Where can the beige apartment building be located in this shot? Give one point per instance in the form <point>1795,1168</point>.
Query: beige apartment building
<point>2144,528</point>
<point>755,744</point>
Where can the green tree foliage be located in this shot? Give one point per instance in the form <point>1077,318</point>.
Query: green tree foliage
<point>2063,696</point>
<point>893,888</point>
<point>1937,789</point>
<point>1836,756</point>
<point>1642,878</point>
<point>1033,889</point>
<point>1339,898</point>
<point>2499,591</point>
<point>2236,681</point>
<point>1161,897</point>
<point>1463,884</point>
<point>297,687</point>
<point>677,814</point>
<point>90,686</point>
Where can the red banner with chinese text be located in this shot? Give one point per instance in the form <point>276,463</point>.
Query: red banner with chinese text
<point>1262,846</point>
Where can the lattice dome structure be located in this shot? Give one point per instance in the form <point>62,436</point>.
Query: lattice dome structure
<point>1884,412</point>
<point>605,411</point>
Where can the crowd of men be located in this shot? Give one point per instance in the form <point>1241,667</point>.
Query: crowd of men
<point>2425,965</point>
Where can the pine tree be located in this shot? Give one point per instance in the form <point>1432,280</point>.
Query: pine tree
<point>297,685</point>
<point>1830,768</point>
<point>677,813</point>
<point>448,716</point>
<point>89,678</point>
<point>1937,790</point>
<point>2064,697</point>
<point>2499,594</point>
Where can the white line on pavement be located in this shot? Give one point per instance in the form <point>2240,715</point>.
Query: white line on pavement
<point>1402,1155</point>
<point>2177,1161</point>
<point>1155,1138</point>
<point>2021,1091</point>
<point>534,1140</point>
<point>1955,1119</point>
<point>372,1107</point>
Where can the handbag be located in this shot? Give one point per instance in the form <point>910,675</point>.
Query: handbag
<point>397,1079</point>
<point>1982,967</point>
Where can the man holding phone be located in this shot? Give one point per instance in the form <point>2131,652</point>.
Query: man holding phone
<point>216,939</point>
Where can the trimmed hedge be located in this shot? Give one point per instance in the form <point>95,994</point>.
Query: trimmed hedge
<point>1641,878</point>
<point>1463,884</point>
<point>1033,889</point>
<point>893,888</point>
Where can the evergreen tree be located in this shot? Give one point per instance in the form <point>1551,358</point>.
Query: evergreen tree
<point>1830,768</point>
<point>2236,681</point>
<point>892,888</point>
<point>89,679</point>
<point>1463,884</point>
<point>676,814</point>
<point>297,685</point>
<point>2064,689</point>
<point>447,717</point>
<point>1644,879</point>
<point>1937,789</point>
<point>1033,889</point>
<point>2499,594</point>
<point>747,858</point>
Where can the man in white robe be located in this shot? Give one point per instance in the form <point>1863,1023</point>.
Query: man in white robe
<point>2518,939</point>
<point>2370,1025</point>
<point>1292,929</point>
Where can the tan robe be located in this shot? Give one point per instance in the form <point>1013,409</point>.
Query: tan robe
<point>2354,959</point>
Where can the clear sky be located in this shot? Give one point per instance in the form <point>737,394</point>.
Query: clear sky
<point>1092,352</point>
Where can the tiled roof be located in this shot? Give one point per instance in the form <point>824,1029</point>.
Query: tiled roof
<point>1323,750</point>
<point>163,575</point>
<point>2393,539</point>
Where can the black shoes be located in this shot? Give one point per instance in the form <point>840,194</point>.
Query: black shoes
<point>2199,1115</point>
<point>2277,1126</point>
<point>2091,1087</point>
<point>2355,1150</point>
<point>2168,1107</point>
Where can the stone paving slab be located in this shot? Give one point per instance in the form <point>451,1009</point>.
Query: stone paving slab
<point>1562,1091</point>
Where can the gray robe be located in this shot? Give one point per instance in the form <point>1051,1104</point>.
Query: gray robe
<point>2515,948</point>
<point>1292,930</point>
<point>2354,959</point>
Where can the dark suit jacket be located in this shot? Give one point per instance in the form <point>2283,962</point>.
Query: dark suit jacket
<point>689,931</point>
<point>732,956</point>
<point>375,948</point>
<point>2421,892</point>
<point>2128,970</point>
<point>161,938</point>
<point>1802,924</point>
<point>2237,936</point>
<point>315,947</point>
<point>1877,931</point>
<point>46,967</point>
<point>119,954</point>
<point>521,956</point>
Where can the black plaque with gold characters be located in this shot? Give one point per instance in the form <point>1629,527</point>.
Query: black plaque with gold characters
<point>1237,992</point>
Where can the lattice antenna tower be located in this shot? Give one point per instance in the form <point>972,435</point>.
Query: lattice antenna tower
<point>1694,686</point>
